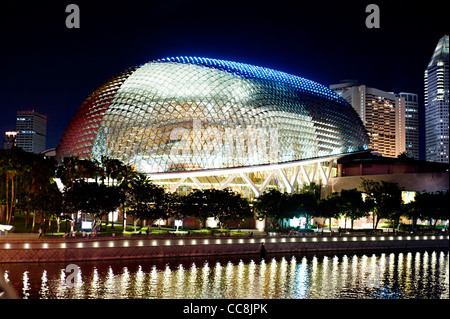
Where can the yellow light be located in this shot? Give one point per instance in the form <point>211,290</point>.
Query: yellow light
<point>154,243</point>
<point>355,239</point>
<point>364,238</point>
<point>63,245</point>
<point>96,244</point>
<point>80,245</point>
<point>140,243</point>
<point>7,246</point>
<point>206,241</point>
<point>45,246</point>
<point>218,241</point>
<point>125,243</point>
<point>230,241</point>
<point>111,244</point>
<point>27,246</point>
<point>194,242</point>
<point>241,241</point>
<point>180,242</point>
<point>168,243</point>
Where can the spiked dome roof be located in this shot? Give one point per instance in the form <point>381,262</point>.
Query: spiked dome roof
<point>191,113</point>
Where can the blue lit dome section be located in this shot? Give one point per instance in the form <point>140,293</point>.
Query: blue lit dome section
<point>191,113</point>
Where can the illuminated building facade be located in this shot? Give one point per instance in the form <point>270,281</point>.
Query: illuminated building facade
<point>411,124</point>
<point>437,104</point>
<point>9,140</point>
<point>193,122</point>
<point>31,130</point>
<point>383,115</point>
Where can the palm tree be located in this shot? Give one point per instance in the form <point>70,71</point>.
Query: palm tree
<point>13,164</point>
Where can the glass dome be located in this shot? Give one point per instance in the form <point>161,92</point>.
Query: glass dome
<point>190,113</point>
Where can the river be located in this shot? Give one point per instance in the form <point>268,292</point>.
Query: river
<point>411,274</point>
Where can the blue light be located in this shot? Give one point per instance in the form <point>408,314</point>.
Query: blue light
<point>261,73</point>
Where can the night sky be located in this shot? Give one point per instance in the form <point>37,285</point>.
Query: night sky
<point>52,69</point>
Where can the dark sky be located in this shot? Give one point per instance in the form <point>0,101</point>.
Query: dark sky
<point>52,69</point>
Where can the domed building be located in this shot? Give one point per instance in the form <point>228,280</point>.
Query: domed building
<point>194,122</point>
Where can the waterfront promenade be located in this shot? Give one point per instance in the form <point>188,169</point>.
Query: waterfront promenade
<point>47,249</point>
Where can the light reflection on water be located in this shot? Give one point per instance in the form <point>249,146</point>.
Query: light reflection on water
<point>416,274</point>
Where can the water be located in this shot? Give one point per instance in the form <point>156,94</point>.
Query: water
<point>397,275</point>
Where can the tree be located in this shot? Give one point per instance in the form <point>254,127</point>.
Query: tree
<point>352,204</point>
<point>386,198</point>
<point>330,207</point>
<point>303,205</point>
<point>272,204</point>
<point>13,165</point>
<point>48,202</point>
<point>230,205</point>
<point>175,206</point>
<point>222,205</point>
<point>147,201</point>
<point>430,206</point>
<point>94,199</point>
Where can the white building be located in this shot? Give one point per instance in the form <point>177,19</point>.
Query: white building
<point>383,115</point>
<point>436,104</point>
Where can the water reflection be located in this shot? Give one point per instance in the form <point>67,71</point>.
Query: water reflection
<point>416,274</point>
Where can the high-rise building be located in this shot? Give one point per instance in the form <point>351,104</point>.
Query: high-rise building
<point>383,115</point>
<point>31,130</point>
<point>436,105</point>
<point>411,120</point>
<point>9,140</point>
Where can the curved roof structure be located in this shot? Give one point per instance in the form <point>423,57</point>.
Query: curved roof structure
<point>190,113</point>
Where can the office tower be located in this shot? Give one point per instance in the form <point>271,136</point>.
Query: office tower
<point>383,115</point>
<point>411,120</point>
<point>436,105</point>
<point>9,140</point>
<point>31,130</point>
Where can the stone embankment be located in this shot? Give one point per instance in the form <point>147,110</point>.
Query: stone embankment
<point>49,250</point>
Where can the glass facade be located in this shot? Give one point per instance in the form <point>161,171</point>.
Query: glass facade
<point>188,113</point>
<point>436,78</point>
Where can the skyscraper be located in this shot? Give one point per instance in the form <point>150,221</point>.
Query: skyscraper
<point>31,130</point>
<point>383,115</point>
<point>436,105</point>
<point>411,120</point>
<point>9,140</point>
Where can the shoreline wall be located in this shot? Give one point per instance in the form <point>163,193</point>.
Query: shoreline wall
<point>144,247</point>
